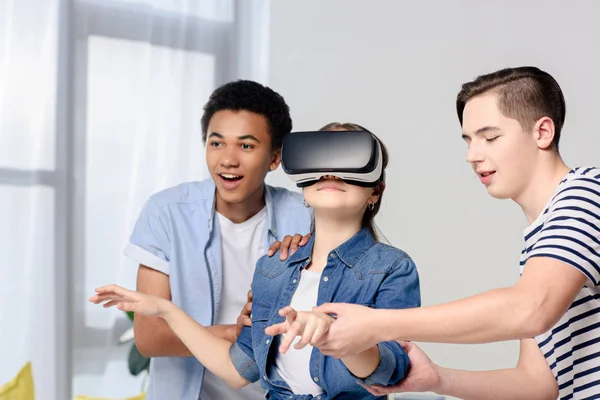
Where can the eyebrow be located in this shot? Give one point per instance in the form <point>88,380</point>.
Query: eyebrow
<point>243,137</point>
<point>248,137</point>
<point>481,131</point>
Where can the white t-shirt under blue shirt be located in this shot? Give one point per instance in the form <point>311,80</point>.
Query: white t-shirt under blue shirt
<point>242,245</point>
<point>294,365</point>
<point>569,230</point>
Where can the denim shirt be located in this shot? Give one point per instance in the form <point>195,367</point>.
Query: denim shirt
<point>175,234</point>
<point>360,271</point>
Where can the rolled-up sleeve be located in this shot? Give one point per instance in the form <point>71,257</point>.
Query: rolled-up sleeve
<point>242,356</point>
<point>392,366</point>
<point>149,243</point>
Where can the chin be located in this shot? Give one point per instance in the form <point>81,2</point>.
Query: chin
<point>335,209</point>
<point>498,193</point>
<point>232,197</point>
<point>325,203</point>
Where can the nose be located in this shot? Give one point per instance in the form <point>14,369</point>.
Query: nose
<point>474,155</point>
<point>230,158</point>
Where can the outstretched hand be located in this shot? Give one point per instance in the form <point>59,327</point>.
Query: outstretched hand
<point>422,374</point>
<point>289,243</point>
<point>130,300</point>
<point>311,326</point>
<point>353,331</point>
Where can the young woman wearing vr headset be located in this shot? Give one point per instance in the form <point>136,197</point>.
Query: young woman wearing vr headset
<point>342,175</point>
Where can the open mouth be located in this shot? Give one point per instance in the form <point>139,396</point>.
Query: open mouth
<point>231,177</point>
<point>230,181</point>
<point>486,176</point>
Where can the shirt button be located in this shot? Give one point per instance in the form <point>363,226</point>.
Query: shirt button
<point>331,255</point>
<point>294,281</point>
<point>325,278</point>
<point>316,379</point>
<point>265,377</point>
<point>268,341</point>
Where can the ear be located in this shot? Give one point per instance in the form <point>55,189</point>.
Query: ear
<point>374,197</point>
<point>276,160</point>
<point>544,132</point>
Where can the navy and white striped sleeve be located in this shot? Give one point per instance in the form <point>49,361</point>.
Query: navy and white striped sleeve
<point>571,232</point>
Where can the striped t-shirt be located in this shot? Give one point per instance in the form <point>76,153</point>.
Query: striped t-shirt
<point>569,230</point>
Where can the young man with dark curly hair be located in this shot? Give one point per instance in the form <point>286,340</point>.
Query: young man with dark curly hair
<point>197,243</point>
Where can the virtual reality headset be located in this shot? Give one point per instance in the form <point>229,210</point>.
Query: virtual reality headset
<point>353,156</point>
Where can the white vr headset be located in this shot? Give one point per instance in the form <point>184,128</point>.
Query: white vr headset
<point>353,156</point>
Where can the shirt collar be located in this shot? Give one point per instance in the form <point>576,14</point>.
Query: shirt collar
<point>268,203</point>
<point>270,210</point>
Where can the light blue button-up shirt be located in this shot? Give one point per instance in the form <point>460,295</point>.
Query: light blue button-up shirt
<point>175,234</point>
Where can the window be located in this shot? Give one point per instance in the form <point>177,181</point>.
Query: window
<point>102,108</point>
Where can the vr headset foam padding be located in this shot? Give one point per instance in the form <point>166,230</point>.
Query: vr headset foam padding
<point>353,156</point>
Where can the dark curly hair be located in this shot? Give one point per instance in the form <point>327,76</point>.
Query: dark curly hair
<point>244,95</point>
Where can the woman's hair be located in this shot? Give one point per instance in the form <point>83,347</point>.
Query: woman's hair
<point>369,215</point>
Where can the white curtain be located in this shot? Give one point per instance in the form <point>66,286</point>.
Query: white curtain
<point>100,106</point>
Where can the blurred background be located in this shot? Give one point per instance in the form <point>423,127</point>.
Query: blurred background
<point>100,106</point>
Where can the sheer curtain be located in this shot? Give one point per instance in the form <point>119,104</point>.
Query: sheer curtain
<point>100,103</point>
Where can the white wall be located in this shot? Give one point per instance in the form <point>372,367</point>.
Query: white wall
<point>396,68</point>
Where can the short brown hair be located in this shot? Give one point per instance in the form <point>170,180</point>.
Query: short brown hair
<point>369,215</point>
<point>524,93</point>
